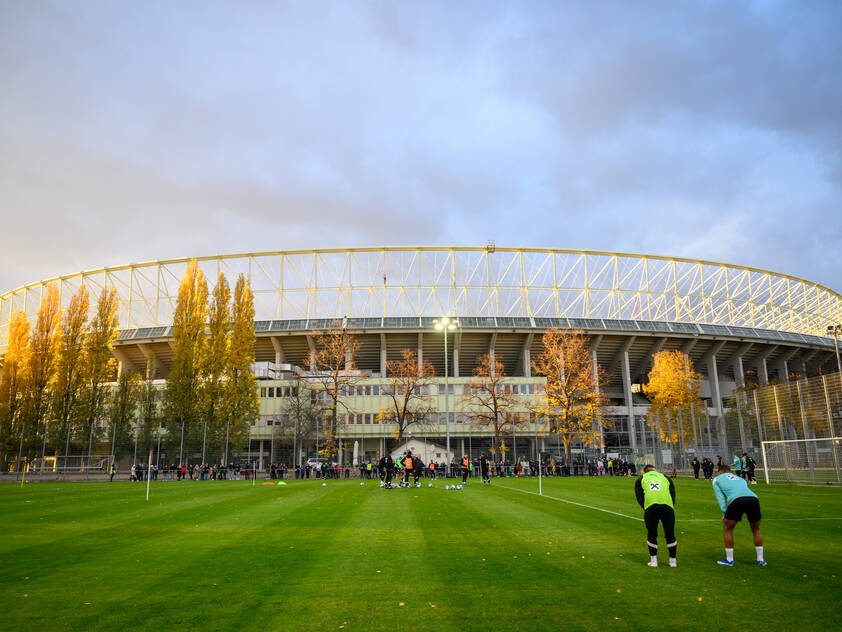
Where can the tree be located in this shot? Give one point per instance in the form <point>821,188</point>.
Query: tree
<point>122,411</point>
<point>242,392</point>
<point>148,412</point>
<point>407,405</point>
<point>69,383</point>
<point>302,411</point>
<point>13,384</point>
<point>673,387</point>
<point>99,365</point>
<point>44,345</point>
<point>183,406</point>
<point>335,375</point>
<point>214,361</point>
<point>571,400</point>
<point>490,401</point>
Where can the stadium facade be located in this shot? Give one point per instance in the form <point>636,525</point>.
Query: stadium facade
<point>729,319</point>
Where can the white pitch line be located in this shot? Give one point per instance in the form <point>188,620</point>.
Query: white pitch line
<point>570,502</point>
<point>678,520</point>
<point>765,519</point>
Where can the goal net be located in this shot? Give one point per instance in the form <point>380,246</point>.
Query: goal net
<point>803,460</point>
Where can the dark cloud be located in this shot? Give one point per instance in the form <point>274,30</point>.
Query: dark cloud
<point>153,130</point>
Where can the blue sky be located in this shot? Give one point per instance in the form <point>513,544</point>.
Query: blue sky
<point>132,131</point>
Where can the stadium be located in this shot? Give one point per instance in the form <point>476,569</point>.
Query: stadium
<point>731,320</point>
<point>552,548</point>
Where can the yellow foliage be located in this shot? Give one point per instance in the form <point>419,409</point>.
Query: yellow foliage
<point>15,373</point>
<point>672,381</point>
<point>673,390</point>
<point>571,400</point>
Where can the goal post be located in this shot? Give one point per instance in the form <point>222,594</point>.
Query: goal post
<point>803,460</point>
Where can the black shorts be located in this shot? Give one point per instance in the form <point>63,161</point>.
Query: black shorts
<point>747,505</point>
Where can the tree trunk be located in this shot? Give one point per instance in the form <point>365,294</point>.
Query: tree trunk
<point>90,445</point>
<point>18,466</point>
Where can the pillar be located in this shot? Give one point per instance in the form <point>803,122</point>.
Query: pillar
<point>627,395</point>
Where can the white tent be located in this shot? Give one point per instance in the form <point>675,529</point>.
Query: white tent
<point>427,451</point>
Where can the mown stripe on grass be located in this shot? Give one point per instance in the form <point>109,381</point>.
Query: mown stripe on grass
<point>570,502</point>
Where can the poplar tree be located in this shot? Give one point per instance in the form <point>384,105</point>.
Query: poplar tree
<point>148,414</point>
<point>182,402</point>
<point>215,362</point>
<point>43,360</point>
<point>99,365</point>
<point>67,394</point>
<point>13,385</point>
<point>122,411</point>
<point>241,393</point>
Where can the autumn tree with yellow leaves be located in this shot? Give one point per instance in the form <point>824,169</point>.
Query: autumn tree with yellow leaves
<point>68,390</point>
<point>571,400</point>
<point>122,407</point>
<point>13,387</point>
<point>408,405</point>
<point>44,344</point>
<point>182,400</point>
<point>213,364</point>
<point>673,388</point>
<point>241,391</point>
<point>100,367</point>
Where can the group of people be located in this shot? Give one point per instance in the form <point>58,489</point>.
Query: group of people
<point>401,469</point>
<point>195,472</point>
<point>705,465</point>
<point>408,466</point>
<point>742,466</point>
<point>656,494</point>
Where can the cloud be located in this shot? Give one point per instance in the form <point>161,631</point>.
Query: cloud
<point>158,130</point>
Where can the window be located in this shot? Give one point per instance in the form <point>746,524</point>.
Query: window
<point>263,392</point>
<point>375,390</point>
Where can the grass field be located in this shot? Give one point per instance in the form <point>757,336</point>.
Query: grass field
<point>230,556</point>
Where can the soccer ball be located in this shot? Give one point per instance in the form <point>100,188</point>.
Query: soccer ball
<point>362,484</point>
<point>324,484</point>
<point>458,487</point>
<point>429,484</point>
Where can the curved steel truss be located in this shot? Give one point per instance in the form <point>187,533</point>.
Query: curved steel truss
<point>483,282</point>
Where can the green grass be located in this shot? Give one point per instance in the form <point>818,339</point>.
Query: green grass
<point>232,556</point>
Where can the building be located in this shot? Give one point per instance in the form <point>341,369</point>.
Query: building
<point>729,319</point>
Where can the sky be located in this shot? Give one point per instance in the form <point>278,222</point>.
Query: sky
<point>134,131</point>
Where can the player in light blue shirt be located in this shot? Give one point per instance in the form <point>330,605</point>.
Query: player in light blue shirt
<point>735,499</point>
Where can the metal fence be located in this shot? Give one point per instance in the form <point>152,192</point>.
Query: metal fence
<point>806,413</point>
